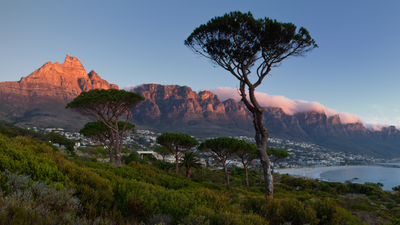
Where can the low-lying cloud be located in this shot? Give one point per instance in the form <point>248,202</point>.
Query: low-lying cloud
<point>129,87</point>
<point>377,127</point>
<point>289,106</point>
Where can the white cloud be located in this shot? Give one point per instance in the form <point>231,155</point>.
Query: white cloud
<point>288,106</point>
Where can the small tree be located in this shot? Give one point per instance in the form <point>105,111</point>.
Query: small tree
<point>177,144</point>
<point>108,106</point>
<point>247,153</point>
<point>100,132</point>
<point>190,160</point>
<point>277,154</point>
<point>68,144</point>
<point>222,149</point>
<point>237,42</point>
<point>132,157</point>
<point>163,151</point>
<point>55,137</point>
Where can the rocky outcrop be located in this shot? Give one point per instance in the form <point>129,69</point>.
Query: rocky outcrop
<point>53,80</point>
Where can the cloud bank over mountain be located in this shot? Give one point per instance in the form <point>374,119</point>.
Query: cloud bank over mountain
<point>288,106</point>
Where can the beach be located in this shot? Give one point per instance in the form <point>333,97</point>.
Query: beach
<point>310,172</point>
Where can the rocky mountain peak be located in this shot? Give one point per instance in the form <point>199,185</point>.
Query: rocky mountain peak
<point>208,95</point>
<point>72,62</point>
<point>53,80</point>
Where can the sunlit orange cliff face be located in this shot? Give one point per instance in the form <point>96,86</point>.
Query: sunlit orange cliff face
<point>54,80</point>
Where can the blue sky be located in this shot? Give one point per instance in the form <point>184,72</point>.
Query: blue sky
<point>355,69</point>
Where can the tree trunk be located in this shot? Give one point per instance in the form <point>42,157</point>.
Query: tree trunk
<point>176,163</point>
<point>226,174</point>
<point>188,170</point>
<point>118,145</point>
<point>261,141</point>
<point>261,136</point>
<point>111,154</point>
<point>246,176</point>
<point>110,149</point>
<point>260,172</point>
<point>117,150</point>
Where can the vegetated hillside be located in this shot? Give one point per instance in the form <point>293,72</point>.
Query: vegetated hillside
<point>9,130</point>
<point>80,190</point>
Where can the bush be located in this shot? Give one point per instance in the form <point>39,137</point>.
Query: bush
<point>204,216</point>
<point>361,206</point>
<point>133,157</point>
<point>93,191</point>
<point>278,211</point>
<point>27,201</point>
<point>328,212</point>
<point>26,156</point>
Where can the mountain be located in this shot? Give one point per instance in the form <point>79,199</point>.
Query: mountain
<point>40,98</point>
<point>179,109</point>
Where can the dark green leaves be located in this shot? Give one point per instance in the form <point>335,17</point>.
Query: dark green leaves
<point>99,128</point>
<point>236,41</point>
<point>177,140</point>
<point>103,96</point>
<point>222,144</point>
<point>227,40</point>
<point>277,153</point>
<point>162,150</point>
<point>190,159</point>
<point>105,104</point>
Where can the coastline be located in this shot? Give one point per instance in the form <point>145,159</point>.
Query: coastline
<point>310,172</point>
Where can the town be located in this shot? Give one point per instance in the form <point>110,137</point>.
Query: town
<point>302,154</point>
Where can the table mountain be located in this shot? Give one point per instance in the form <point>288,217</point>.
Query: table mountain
<point>179,109</point>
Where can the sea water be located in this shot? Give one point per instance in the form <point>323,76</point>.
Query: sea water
<point>388,176</point>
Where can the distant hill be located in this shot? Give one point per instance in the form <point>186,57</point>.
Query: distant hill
<point>40,99</point>
<point>10,130</point>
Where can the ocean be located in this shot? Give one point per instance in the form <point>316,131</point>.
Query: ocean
<point>388,176</point>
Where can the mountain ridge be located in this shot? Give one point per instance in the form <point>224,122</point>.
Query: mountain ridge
<point>179,109</point>
<point>40,99</point>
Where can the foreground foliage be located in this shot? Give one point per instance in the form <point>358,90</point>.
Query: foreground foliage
<point>42,186</point>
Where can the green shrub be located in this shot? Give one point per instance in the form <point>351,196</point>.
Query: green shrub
<point>204,216</point>
<point>31,202</point>
<point>21,212</point>
<point>26,156</point>
<point>125,150</point>
<point>90,188</point>
<point>278,211</point>
<point>298,212</point>
<point>102,151</point>
<point>328,212</point>
<point>132,157</point>
<point>361,206</point>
